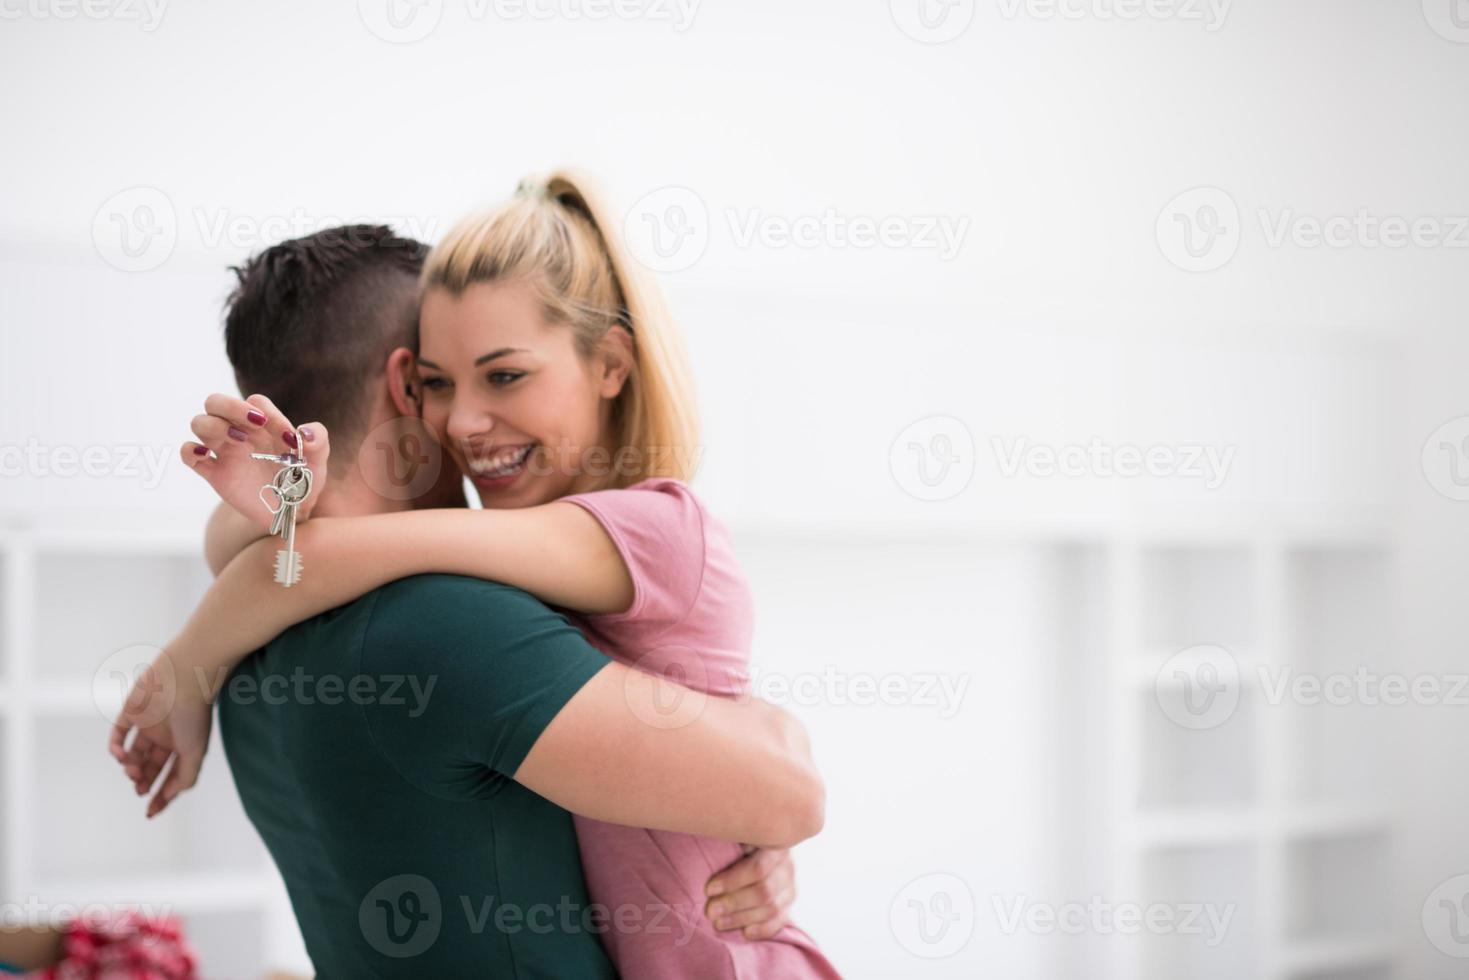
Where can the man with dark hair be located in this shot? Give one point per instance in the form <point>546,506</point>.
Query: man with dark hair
<point>311,328</point>
<point>313,320</point>
<point>422,836</point>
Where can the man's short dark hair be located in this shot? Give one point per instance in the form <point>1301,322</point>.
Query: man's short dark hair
<point>311,322</point>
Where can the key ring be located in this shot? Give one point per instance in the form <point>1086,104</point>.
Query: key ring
<point>280,498</point>
<point>280,494</point>
<point>295,476</point>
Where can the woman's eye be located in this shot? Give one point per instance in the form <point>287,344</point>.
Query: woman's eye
<point>434,384</point>
<point>502,378</point>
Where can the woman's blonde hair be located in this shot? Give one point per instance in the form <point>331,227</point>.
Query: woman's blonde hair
<point>557,236</point>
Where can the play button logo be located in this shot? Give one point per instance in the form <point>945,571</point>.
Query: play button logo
<point>401,21</point>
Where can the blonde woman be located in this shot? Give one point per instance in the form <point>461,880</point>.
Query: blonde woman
<point>555,380</point>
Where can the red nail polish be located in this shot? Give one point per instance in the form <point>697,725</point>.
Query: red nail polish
<point>201,450</point>
<point>237,434</point>
<point>290,438</point>
<point>257,418</point>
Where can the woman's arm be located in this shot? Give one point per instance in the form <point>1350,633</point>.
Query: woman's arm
<point>226,535</point>
<point>557,552</point>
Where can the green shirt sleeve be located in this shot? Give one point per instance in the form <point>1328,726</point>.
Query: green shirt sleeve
<point>480,669</point>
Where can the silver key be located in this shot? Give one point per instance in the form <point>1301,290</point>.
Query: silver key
<point>294,485</point>
<point>291,486</point>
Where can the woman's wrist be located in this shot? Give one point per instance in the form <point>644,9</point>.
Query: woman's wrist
<point>194,677</point>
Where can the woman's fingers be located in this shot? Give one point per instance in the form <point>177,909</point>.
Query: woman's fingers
<point>318,442</point>
<point>153,763</point>
<point>139,762</point>
<point>117,738</point>
<point>755,893</point>
<point>316,446</point>
<point>138,751</point>
<point>227,432</point>
<point>182,775</point>
<point>264,425</point>
<point>768,928</point>
<point>281,431</point>
<point>196,456</point>
<point>238,412</point>
<point>219,434</point>
<point>751,869</point>
<point>752,905</point>
<point>757,915</point>
<point>160,801</point>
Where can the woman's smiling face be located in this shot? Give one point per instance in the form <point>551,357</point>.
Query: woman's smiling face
<point>512,400</point>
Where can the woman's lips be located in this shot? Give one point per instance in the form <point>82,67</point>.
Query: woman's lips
<point>499,469</point>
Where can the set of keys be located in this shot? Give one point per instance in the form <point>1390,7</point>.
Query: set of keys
<point>291,487</point>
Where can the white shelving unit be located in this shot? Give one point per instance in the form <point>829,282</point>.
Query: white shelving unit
<point>1269,810</point>
<point>73,832</point>
<point>1260,813</point>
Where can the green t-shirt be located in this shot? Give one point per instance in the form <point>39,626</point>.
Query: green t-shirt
<point>373,748</point>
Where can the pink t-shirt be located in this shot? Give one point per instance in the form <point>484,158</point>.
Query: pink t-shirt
<point>691,620</point>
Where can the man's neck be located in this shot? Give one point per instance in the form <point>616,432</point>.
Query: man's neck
<point>381,479</point>
<point>351,496</point>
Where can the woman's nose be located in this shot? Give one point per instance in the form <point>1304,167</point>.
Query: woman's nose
<point>466,421</point>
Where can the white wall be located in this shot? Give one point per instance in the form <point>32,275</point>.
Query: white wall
<point>1055,143</point>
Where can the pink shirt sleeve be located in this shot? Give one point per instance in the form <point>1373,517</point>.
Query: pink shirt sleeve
<point>658,527</point>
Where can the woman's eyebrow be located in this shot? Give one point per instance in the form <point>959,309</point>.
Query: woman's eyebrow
<point>498,353</point>
<point>425,362</point>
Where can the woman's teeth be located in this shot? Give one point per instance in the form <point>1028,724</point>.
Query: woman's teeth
<point>501,463</point>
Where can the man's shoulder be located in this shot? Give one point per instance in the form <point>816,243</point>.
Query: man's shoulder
<point>494,663</point>
<point>439,586</point>
<point>439,600</point>
<point>446,615</point>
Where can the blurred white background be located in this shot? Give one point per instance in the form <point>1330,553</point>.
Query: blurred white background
<point>1082,380</point>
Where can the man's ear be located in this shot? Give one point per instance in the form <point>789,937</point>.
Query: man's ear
<point>615,359</point>
<point>403,387</point>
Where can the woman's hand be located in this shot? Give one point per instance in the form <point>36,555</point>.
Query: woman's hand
<point>755,894</point>
<point>172,716</point>
<point>230,430</point>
